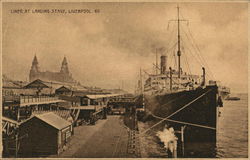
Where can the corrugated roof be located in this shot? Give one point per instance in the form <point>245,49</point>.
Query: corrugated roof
<point>9,84</point>
<point>36,84</point>
<point>63,88</point>
<point>57,85</point>
<point>53,120</point>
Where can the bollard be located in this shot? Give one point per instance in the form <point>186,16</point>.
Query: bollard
<point>16,145</point>
<point>182,140</point>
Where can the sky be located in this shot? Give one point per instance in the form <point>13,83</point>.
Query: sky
<point>108,48</point>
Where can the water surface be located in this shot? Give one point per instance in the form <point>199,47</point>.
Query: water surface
<point>232,133</point>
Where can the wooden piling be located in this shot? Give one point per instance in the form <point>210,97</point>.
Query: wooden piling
<point>182,140</point>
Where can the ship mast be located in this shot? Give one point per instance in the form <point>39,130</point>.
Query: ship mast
<point>141,87</point>
<point>156,61</point>
<point>179,47</point>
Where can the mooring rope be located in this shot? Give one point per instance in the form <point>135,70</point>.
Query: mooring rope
<point>187,123</point>
<point>163,119</point>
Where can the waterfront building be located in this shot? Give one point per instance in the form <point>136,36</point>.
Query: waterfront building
<point>63,75</point>
<point>45,134</point>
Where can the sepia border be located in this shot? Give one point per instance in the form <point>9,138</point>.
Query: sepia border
<point>136,1</point>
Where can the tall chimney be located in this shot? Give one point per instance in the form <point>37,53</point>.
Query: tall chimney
<point>170,72</point>
<point>204,76</point>
<point>163,64</point>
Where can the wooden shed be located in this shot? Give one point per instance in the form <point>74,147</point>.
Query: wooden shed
<point>63,91</point>
<point>45,134</point>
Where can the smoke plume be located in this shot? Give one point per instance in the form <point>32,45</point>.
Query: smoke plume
<point>168,137</point>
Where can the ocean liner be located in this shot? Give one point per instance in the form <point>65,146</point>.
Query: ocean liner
<point>181,99</point>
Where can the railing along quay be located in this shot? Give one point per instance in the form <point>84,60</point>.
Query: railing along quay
<point>134,144</point>
<point>30,100</point>
<point>27,99</point>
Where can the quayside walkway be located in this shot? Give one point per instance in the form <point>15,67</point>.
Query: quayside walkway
<point>107,139</point>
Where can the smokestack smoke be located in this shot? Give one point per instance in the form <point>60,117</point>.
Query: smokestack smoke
<point>168,137</point>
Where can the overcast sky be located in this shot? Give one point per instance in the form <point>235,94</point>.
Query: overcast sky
<point>107,48</point>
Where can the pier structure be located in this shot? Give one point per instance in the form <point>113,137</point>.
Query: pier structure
<point>8,125</point>
<point>9,138</point>
<point>35,97</point>
<point>21,107</point>
<point>89,108</point>
<point>76,104</point>
<point>121,104</point>
<point>122,99</point>
<point>51,96</point>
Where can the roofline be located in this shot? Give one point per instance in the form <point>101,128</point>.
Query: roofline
<point>37,116</point>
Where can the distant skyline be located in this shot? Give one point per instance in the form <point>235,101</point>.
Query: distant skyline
<point>107,48</point>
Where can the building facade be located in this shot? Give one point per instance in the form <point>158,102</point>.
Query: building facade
<point>43,135</point>
<point>63,76</point>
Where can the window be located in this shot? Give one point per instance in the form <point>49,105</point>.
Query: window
<point>92,102</point>
<point>84,101</point>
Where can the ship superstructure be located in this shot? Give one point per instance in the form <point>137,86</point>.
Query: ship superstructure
<point>169,79</point>
<point>180,98</point>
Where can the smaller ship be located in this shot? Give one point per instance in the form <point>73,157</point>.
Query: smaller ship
<point>223,91</point>
<point>232,98</point>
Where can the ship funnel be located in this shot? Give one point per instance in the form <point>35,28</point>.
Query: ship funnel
<point>203,76</point>
<point>163,64</point>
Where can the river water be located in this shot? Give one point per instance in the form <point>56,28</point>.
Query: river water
<point>232,133</point>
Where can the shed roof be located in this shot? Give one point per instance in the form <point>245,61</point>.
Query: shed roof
<point>63,89</point>
<point>52,119</point>
<point>10,85</point>
<point>36,84</point>
<point>94,96</point>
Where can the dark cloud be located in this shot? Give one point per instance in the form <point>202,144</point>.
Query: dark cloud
<point>133,40</point>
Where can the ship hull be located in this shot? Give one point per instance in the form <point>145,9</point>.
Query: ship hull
<point>196,107</point>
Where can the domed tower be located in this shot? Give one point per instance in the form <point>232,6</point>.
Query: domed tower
<point>64,67</point>
<point>34,71</point>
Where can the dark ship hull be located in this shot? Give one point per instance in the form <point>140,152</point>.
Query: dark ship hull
<point>196,107</point>
<point>191,112</point>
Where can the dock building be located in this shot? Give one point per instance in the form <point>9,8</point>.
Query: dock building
<point>45,134</point>
<point>63,75</point>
